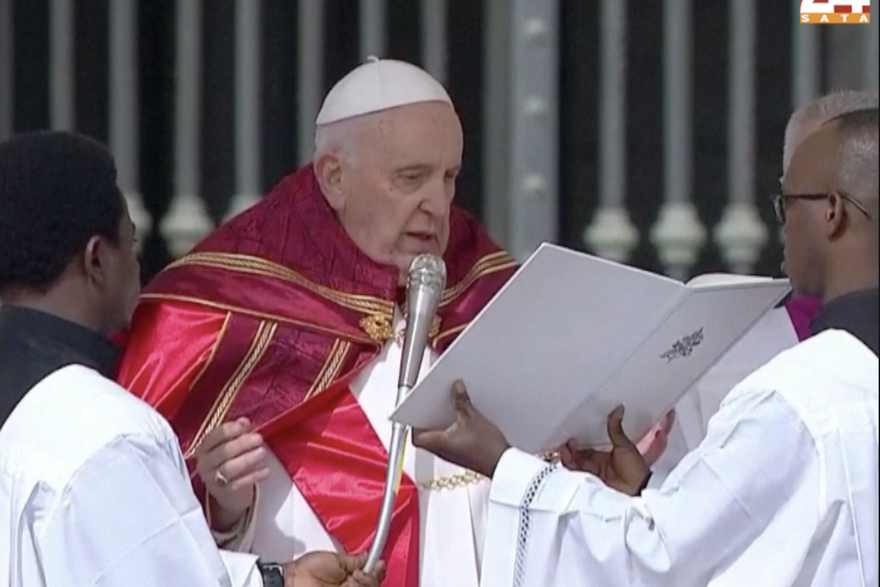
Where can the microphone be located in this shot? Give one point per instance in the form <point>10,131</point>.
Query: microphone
<point>425,284</point>
<point>427,278</point>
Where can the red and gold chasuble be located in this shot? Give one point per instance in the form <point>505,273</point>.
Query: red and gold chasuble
<point>270,318</point>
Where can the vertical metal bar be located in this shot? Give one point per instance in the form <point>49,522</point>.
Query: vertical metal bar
<point>373,39</point>
<point>187,221</point>
<point>742,234</point>
<point>62,63</point>
<point>741,123</point>
<point>311,73</point>
<point>496,109</point>
<point>247,98</point>
<point>123,100</point>
<point>7,74</point>
<point>806,60</point>
<point>434,49</point>
<point>611,233</point>
<point>124,92</point>
<point>677,100</point>
<point>535,57</point>
<point>188,97</point>
<point>679,235</point>
<point>612,120</point>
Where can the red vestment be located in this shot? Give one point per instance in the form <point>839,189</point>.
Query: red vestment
<point>270,318</point>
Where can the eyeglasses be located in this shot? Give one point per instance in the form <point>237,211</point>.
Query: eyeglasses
<point>779,203</point>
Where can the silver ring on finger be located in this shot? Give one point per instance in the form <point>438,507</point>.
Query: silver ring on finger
<point>220,479</point>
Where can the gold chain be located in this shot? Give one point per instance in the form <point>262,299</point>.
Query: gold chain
<point>470,478</point>
<point>452,482</point>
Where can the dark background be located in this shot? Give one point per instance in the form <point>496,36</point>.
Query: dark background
<point>579,75</point>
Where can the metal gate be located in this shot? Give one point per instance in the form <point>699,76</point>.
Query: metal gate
<point>647,131</point>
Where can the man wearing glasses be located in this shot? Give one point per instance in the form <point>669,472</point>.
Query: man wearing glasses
<point>778,331</point>
<point>834,198</point>
<point>783,491</point>
<point>780,202</point>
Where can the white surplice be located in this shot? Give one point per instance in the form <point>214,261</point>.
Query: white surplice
<point>783,492</point>
<point>95,493</point>
<point>453,503</point>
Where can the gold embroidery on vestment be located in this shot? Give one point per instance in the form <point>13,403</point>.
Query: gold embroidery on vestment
<point>257,266</point>
<point>489,264</point>
<point>372,305</point>
<point>153,297</point>
<point>214,350</point>
<point>262,338</point>
<point>330,369</point>
<point>380,329</point>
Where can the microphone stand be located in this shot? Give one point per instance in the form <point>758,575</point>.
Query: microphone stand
<point>393,476</point>
<point>427,278</point>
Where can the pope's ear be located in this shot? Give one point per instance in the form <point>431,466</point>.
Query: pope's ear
<point>328,170</point>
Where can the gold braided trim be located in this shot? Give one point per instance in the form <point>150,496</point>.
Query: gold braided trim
<point>489,264</point>
<point>330,370</point>
<point>257,266</point>
<point>264,335</point>
<point>379,326</point>
<point>214,350</point>
<point>451,482</point>
<point>451,332</point>
<point>151,297</point>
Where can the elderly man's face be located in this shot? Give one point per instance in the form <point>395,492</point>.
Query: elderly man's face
<point>397,191</point>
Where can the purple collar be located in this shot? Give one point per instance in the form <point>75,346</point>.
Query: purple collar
<point>803,311</point>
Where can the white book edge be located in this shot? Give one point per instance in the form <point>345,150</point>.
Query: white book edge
<point>699,374</point>
<point>700,283</point>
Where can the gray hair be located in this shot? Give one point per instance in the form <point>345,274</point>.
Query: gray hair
<point>808,118</point>
<point>343,138</point>
<point>856,167</point>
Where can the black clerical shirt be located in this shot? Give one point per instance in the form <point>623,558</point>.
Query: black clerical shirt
<point>856,313</point>
<point>34,344</point>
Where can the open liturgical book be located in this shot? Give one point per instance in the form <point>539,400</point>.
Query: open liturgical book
<point>571,337</point>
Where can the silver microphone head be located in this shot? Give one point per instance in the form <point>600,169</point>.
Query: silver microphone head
<point>427,271</point>
<point>425,284</point>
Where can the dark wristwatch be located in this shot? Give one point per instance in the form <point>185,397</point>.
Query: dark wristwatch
<point>273,574</point>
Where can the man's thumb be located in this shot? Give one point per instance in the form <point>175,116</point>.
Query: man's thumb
<point>353,563</point>
<point>615,429</point>
<point>461,400</point>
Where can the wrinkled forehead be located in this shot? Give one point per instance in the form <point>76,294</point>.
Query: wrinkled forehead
<point>427,133</point>
<point>812,163</point>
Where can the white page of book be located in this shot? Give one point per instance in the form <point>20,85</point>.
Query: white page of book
<point>672,359</point>
<point>554,337</point>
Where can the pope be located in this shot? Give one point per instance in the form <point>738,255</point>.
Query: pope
<point>273,348</point>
